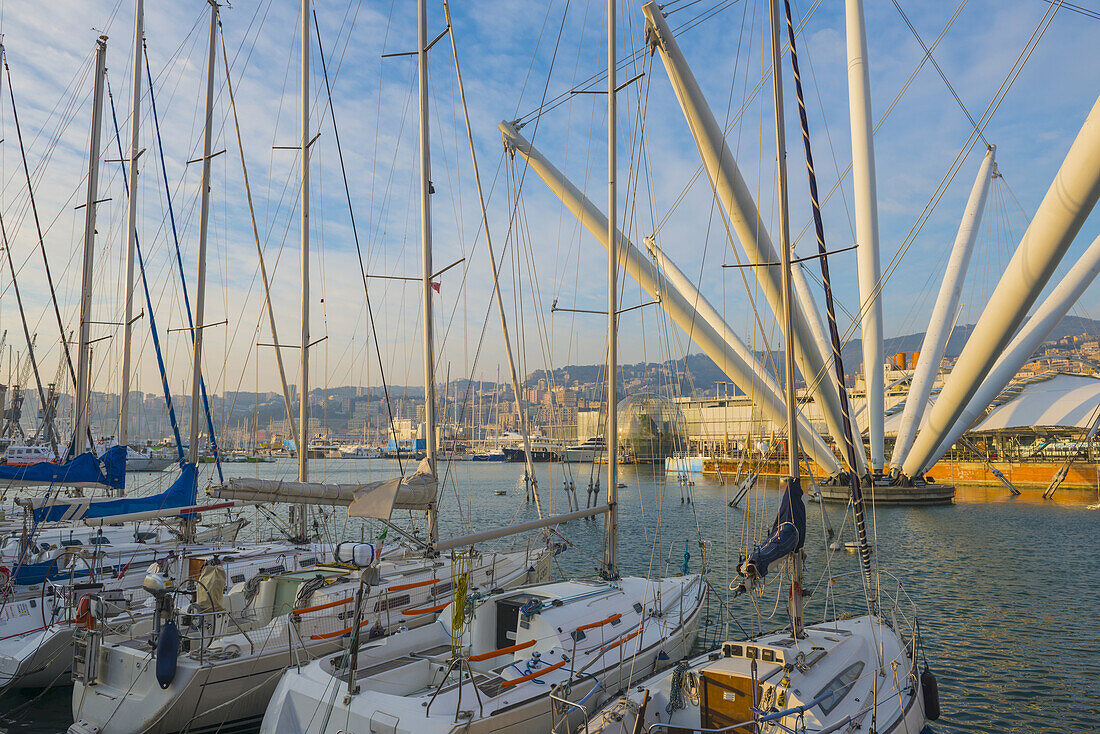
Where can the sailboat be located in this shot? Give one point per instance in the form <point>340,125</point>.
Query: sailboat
<point>487,663</point>
<point>225,653</point>
<point>85,551</point>
<point>851,672</point>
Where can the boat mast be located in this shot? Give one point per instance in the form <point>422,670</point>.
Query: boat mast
<point>426,255</point>
<point>131,231</point>
<point>611,528</point>
<point>866,206</point>
<point>531,482</point>
<point>301,531</point>
<point>785,278</point>
<point>83,357</point>
<point>204,226</point>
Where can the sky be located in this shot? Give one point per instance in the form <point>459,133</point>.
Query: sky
<point>517,56</point>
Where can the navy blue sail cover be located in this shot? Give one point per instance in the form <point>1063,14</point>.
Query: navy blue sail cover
<point>181,494</point>
<point>85,470</point>
<point>788,531</point>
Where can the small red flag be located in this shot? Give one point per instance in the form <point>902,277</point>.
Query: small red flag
<point>435,286</point>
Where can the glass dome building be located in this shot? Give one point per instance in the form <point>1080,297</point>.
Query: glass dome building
<point>651,428</point>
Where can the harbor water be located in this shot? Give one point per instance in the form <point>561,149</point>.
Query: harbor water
<point>1006,587</point>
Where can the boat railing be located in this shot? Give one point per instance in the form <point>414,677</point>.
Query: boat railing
<point>563,704</point>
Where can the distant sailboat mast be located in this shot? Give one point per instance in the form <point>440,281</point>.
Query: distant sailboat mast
<point>83,358</point>
<point>301,529</point>
<point>426,255</point>
<point>611,529</point>
<point>131,232</point>
<point>793,468</point>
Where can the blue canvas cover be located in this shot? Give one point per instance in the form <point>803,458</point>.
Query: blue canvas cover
<point>181,494</point>
<point>788,531</point>
<point>86,470</point>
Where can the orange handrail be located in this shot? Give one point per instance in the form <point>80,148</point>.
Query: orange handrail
<point>502,651</point>
<point>414,585</point>
<point>425,610</point>
<point>319,607</point>
<point>337,633</point>
<point>601,623</point>
<point>532,676</point>
<point>621,640</point>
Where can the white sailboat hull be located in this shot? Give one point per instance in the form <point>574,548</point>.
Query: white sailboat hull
<point>397,680</point>
<point>230,691</point>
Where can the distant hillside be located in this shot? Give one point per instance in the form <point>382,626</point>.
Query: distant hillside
<point>699,375</point>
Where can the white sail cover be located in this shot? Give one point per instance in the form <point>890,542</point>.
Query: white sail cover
<point>374,499</point>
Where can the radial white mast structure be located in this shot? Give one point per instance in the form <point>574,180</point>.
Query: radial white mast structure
<point>204,227</point>
<point>131,230</point>
<point>1033,333</point>
<point>680,299</point>
<point>83,358</point>
<point>426,254</point>
<point>734,196</point>
<point>302,441</point>
<point>1059,218</point>
<point>866,206</point>
<point>943,313</point>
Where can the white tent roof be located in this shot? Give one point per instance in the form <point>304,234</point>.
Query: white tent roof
<point>1063,401</point>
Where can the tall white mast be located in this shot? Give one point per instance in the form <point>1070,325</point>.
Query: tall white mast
<point>943,313</point>
<point>131,231</point>
<point>788,333</point>
<point>1034,332</point>
<point>83,358</point>
<point>868,268</point>
<point>1059,218</point>
<point>611,529</point>
<point>426,253</point>
<point>204,227</point>
<point>680,299</point>
<point>302,442</point>
<point>734,195</point>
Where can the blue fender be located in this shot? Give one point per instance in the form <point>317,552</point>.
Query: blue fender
<point>168,647</point>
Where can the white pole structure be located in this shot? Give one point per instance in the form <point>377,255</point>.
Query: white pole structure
<point>611,529</point>
<point>793,461</point>
<point>1033,333</point>
<point>302,531</point>
<point>83,358</point>
<point>532,481</point>
<point>1060,215</point>
<point>426,256</point>
<point>868,269</point>
<point>204,227</point>
<point>734,195</point>
<point>131,231</point>
<point>943,313</point>
<point>681,301</point>
<point>750,375</point>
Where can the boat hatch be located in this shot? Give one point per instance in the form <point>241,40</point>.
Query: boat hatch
<point>508,617</point>
<point>727,698</point>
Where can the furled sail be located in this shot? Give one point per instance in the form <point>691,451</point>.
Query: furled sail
<point>374,499</point>
<point>177,499</point>
<point>788,532</point>
<point>86,471</point>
